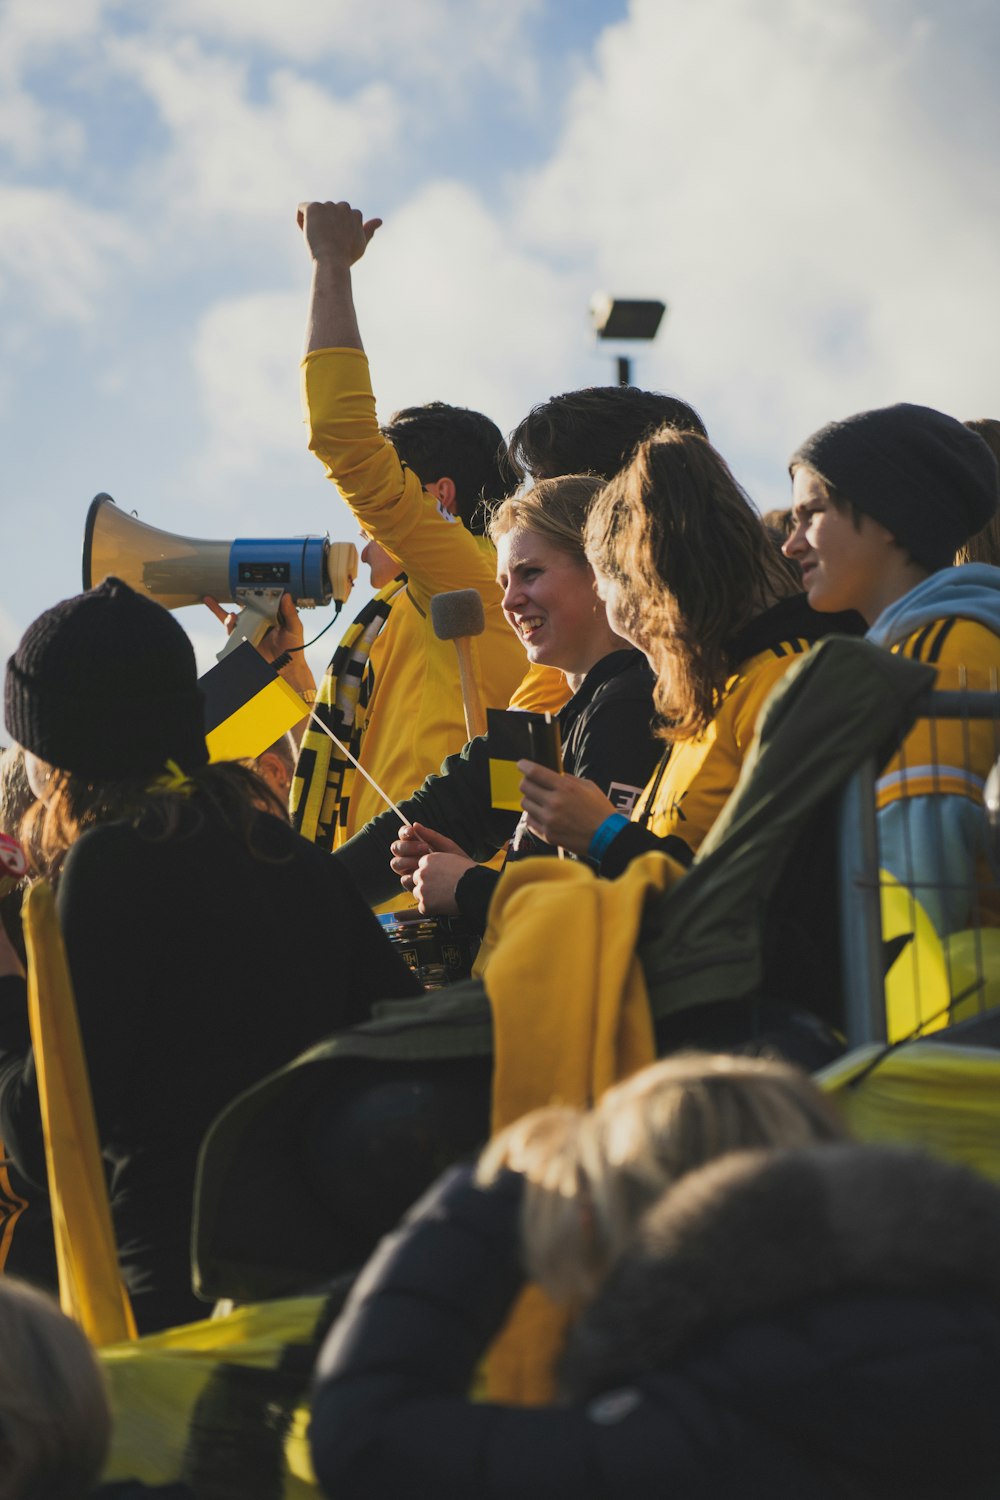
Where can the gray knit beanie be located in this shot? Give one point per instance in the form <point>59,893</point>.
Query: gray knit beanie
<point>923,475</point>
<point>105,685</point>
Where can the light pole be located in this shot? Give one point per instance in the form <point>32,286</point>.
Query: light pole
<point>621,319</point>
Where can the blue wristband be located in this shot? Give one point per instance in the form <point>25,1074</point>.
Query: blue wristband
<point>608,830</point>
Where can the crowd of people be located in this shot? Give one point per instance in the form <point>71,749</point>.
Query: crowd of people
<point>735,1293</point>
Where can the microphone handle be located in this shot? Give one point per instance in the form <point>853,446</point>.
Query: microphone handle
<point>475,714</point>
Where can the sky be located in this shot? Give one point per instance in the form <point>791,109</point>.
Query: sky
<point>811,187</point>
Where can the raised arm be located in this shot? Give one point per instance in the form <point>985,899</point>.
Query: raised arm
<point>336,236</point>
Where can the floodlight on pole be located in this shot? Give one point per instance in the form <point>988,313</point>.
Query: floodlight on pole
<point>616,318</point>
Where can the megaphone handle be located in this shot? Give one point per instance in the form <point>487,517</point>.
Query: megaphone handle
<point>255,619</point>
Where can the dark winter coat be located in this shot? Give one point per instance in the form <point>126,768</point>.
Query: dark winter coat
<point>199,962</point>
<point>607,736</point>
<point>822,1323</point>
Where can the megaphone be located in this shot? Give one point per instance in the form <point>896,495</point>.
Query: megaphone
<point>252,573</point>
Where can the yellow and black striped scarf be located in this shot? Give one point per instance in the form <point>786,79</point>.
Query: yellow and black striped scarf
<point>321,786</point>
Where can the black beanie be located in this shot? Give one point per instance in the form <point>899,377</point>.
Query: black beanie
<point>924,476</point>
<point>105,685</point>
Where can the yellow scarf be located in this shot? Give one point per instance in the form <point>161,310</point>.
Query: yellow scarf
<point>570,1018</point>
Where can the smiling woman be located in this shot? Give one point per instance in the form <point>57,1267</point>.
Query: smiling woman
<point>609,749</point>
<point>549,593</point>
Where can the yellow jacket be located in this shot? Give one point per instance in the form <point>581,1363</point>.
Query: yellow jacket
<point>414,715</point>
<point>930,795</point>
<point>684,801</point>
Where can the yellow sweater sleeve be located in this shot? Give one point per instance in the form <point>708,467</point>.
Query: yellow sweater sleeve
<point>387,498</point>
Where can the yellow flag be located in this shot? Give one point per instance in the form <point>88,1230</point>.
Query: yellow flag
<point>247,705</point>
<point>90,1288</point>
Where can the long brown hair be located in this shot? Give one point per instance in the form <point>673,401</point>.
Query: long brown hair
<point>693,566</point>
<point>75,804</point>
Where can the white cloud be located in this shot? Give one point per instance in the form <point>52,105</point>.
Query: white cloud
<point>450,309</point>
<point>245,356</point>
<point>10,634</point>
<point>30,133</point>
<point>59,252</point>
<point>232,159</point>
<point>31,31</point>
<point>397,37</point>
<point>794,199</point>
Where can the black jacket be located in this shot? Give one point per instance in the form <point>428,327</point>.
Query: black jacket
<point>199,964</point>
<point>607,737</point>
<point>821,1323</point>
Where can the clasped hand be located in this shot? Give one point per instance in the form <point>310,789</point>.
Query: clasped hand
<point>430,865</point>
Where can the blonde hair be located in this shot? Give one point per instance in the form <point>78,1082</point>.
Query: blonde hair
<point>592,1175</point>
<point>55,1421</point>
<point>554,509</point>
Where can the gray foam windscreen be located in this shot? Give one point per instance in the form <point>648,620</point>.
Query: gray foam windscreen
<point>456,614</point>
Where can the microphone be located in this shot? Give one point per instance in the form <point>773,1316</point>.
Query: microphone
<point>458,616</point>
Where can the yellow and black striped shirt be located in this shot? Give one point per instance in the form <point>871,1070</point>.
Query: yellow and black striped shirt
<point>947,756</point>
<point>690,789</point>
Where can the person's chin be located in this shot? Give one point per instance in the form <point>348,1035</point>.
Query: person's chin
<point>818,596</point>
<point>536,649</point>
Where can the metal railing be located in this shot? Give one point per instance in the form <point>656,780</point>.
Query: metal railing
<point>937,971</point>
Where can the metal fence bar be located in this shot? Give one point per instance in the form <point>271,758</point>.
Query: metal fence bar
<point>860,911</point>
<point>953,704</point>
<point>859,877</point>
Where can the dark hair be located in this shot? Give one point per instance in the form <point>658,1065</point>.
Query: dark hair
<point>779,522</point>
<point>984,547</point>
<point>593,431</point>
<point>237,793</point>
<point>693,566</point>
<point>438,441</point>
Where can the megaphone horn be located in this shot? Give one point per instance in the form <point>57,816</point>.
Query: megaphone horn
<point>250,572</point>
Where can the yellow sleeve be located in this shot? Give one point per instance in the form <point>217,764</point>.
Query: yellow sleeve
<point>386,497</point>
<point>542,690</point>
<point>750,694</point>
<point>701,773</point>
<point>947,756</point>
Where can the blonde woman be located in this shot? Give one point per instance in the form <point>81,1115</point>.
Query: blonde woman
<point>818,1320</point>
<point>551,603</point>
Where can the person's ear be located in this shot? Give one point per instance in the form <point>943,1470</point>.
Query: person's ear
<point>275,771</point>
<point>444,490</point>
